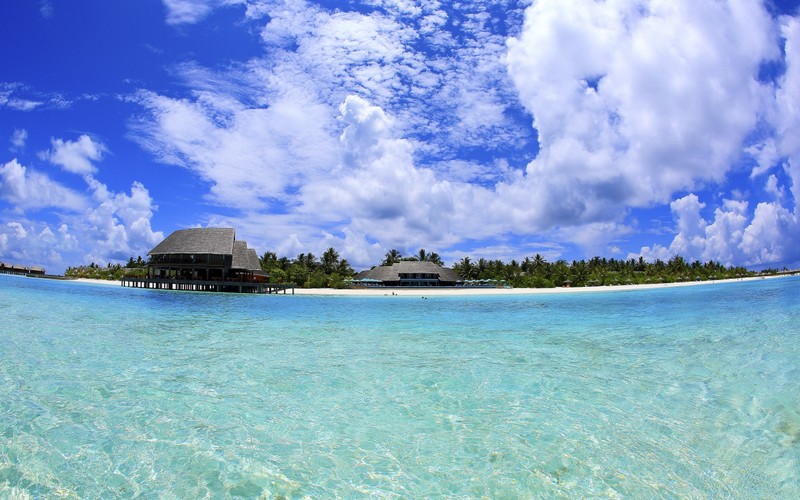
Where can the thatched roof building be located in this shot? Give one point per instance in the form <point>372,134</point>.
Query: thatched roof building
<point>409,273</point>
<point>19,269</point>
<point>205,254</point>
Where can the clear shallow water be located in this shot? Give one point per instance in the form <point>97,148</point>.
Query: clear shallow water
<point>108,392</point>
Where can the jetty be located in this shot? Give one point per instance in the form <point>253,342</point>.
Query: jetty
<point>192,285</point>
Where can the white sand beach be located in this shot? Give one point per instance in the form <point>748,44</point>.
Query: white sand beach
<point>464,291</point>
<point>93,281</point>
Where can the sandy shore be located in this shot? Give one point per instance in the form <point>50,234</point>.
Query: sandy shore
<point>439,292</point>
<point>93,282</point>
<point>431,292</point>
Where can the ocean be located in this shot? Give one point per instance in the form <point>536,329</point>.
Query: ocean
<point>110,392</point>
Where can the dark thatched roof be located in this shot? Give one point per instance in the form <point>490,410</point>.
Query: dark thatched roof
<point>244,258</point>
<point>254,264</point>
<point>207,240</point>
<point>211,241</point>
<point>392,273</point>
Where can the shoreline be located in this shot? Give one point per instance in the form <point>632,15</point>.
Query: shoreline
<point>462,292</point>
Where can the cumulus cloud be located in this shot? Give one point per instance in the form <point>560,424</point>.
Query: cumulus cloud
<point>119,223</point>
<point>634,101</point>
<point>381,193</point>
<point>110,227</point>
<point>31,190</point>
<point>22,243</point>
<point>734,236</point>
<point>74,229</point>
<point>785,115</point>
<point>76,157</point>
<point>771,232</point>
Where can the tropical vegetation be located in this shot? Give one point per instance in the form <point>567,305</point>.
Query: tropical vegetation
<point>393,256</point>
<point>307,271</point>
<point>537,272</point>
<point>331,271</point>
<point>133,269</point>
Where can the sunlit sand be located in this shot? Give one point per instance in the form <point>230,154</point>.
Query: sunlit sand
<point>467,291</point>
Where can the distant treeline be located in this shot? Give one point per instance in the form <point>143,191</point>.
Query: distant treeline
<point>308,271</point>
<point>135,268</point>
<point>537,272</point>
<point>330,270</point>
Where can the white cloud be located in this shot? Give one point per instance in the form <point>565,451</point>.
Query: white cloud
<point>770,236</point>
<point>118,224</point>
<point>250,156</point>
<point>18,139</point>
<point>23,104</point>
<point>46,9</point>
<point>262,132</point>
<point>17,230</point>
<point>21,243</point>
<point>111,228</point>
<point>28,190</point>
<point>192,11</point>
<point>786,112</point>
<point>77,157</point>
<point>455,88</point>
<point>635,100</point>
<point>106,227</point>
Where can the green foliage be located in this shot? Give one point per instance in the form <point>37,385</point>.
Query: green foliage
<point>112,272</point>
<point>331,270</point>
<point>536,272</point>
<point>392,256</point>
<point>306,270</point>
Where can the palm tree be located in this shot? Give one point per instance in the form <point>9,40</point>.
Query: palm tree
<point>580,272</point>
<point>344,269</point>
<point>307,260</point>
<point>539,264</point>
<point>268,261</point>
<point>329,260</point>
<point>392,256</point>
<point>464,268</point>
<point>481,267</point>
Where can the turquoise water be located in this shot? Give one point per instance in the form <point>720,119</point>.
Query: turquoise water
<point>115,392</point>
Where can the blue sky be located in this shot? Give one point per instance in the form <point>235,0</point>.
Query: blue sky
<point>496,129</point>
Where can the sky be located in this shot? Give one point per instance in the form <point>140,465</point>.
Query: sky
<point>490,129</point>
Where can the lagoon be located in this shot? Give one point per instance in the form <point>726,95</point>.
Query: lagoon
<point>116,392</point>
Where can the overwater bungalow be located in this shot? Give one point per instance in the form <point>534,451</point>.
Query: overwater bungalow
<point>408,273</point>
<point>23,270</point>
<point>204,259</point>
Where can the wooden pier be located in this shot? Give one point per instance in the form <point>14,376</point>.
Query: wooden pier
<point>206,286</point>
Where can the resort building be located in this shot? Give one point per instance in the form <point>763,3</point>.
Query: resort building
<point>408,273</point>
<point>211,254</point>
<point>204,259</point>
<point>6,268</point>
